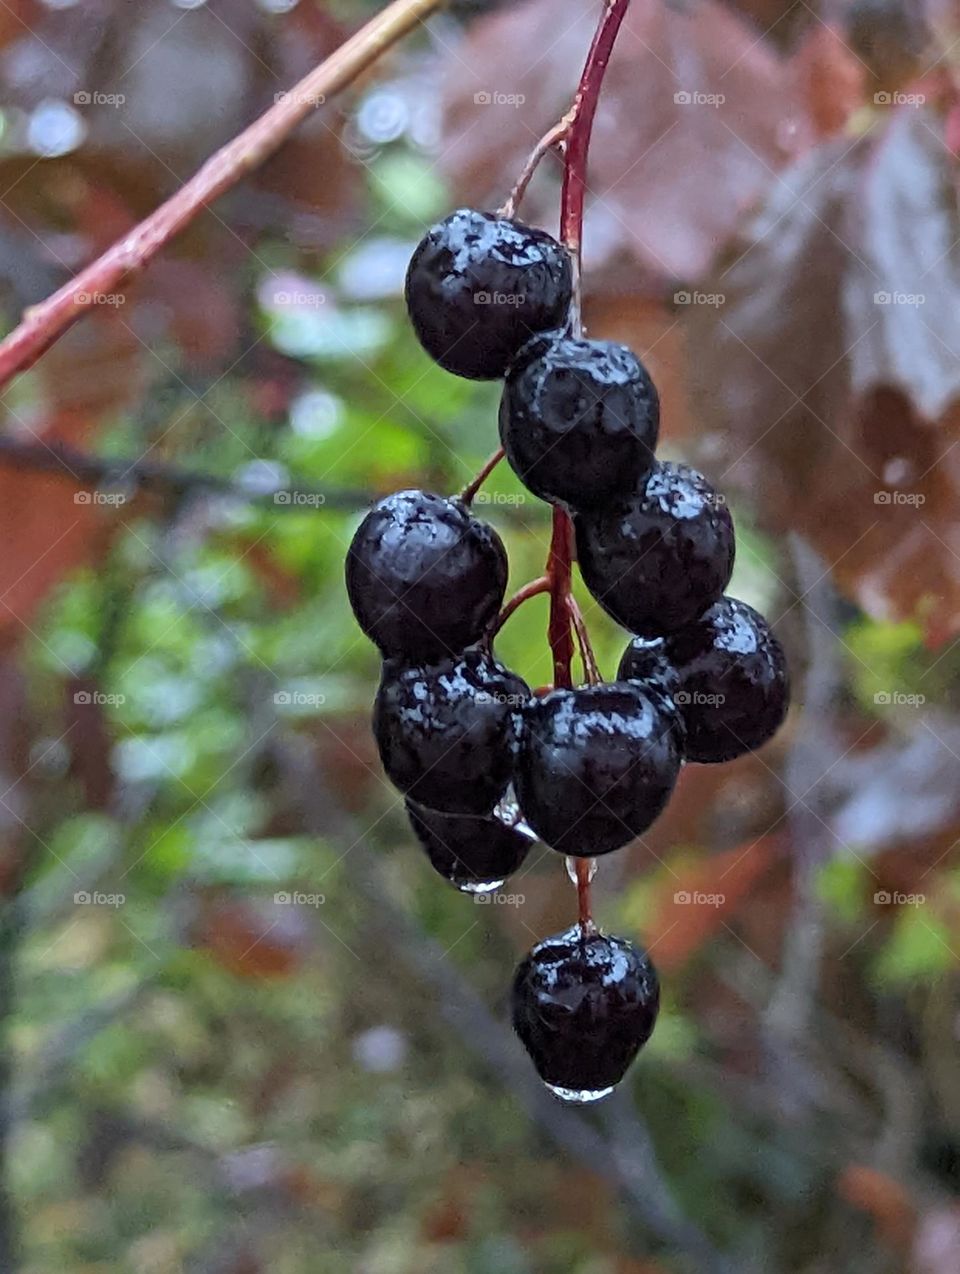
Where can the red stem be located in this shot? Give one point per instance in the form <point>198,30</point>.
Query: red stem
<point>469,491</point>
<point>576,150</point>
<point>533,589</point>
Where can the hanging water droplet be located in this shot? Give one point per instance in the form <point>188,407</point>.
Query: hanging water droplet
<point>579,1097</point>
<point>572,868</point>
<point>476,886</point>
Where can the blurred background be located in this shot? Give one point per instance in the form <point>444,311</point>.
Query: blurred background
<point>247,1028</point>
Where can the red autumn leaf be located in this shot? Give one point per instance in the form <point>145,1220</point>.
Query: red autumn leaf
<point>696,115</point>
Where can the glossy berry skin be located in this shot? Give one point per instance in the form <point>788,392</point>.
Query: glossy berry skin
<point>448,732</point>
<point>645,660</point>
<point>474,853</point>
<point>733,688</point>
<point>596,766</point>
<point>656,560</point>
<point>479,286</point>
<point>583,1006</point>
<point>424,577</point>
<point>579,419</point>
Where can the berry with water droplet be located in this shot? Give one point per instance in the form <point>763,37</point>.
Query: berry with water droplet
<point>425,578</point>
<point>474,853</point>
<point>657,559</point>
<point>596,766</point>
<point>447,732</point>
<point>583,1006</point>
<point>579,419</point>
<point>733,687</point>
<point>479,286</point>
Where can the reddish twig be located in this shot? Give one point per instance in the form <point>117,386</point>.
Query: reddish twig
<point>469,491</point>
<point>536,586</point>
<point>576,149</point>
<point>45,323</point>
<point>591,670</point>
<point>583,894</point>
<point>553,137</point>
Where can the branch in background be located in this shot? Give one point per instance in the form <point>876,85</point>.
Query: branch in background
<point>165,479</point>
<point>45,323</point>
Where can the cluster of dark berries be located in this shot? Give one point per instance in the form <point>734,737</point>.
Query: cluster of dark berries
<point>485,766</point>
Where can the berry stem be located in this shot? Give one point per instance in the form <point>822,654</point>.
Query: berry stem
<point>471,489</point>
<point>553,137</point>
<point>591,670</point>
<point>578,126</point>
<point>581,117</point>
<point>535,587</point>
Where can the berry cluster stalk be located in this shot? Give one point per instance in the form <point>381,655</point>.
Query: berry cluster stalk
<point>579,125</point>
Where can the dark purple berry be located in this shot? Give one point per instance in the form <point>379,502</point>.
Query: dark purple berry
<point>596,766</point>
<point>579,419</point>
<point>475,853</point>
<point>646,660</point>
<point>657,559</point>
<point>479,286</point>
<point>584,1005</point>
<point>733,688</point>
<point>448,732</point>
<point>424,577</point>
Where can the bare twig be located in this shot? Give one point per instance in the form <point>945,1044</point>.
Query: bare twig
<point>45,323</point>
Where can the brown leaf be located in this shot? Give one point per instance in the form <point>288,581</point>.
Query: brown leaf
<point>696,115</point>
<point>829,380</point>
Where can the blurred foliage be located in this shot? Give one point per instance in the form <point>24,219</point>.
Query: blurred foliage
<point>225,1057</point>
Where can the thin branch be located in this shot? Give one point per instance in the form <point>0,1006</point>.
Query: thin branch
<point>45,323</point>
<point>532,589</point>
<point>469,491</point>
<point>553,137</point>
<point>86,470</point>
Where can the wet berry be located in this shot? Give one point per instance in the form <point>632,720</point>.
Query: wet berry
<point>479,286</point>
<point>475,853</point>
<point>596,766</point>
<point>447,732</point>
<point>645,660</point>
<point>579,419</point>
<point>657,559</point>
<point>733,688</point>
<point>424,577</point>
<point>583,1006</point>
